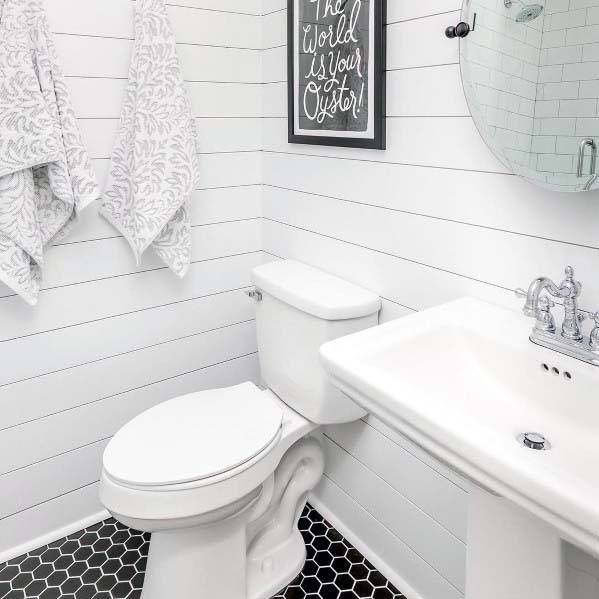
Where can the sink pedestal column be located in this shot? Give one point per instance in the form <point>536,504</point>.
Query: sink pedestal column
<point>511,555</point>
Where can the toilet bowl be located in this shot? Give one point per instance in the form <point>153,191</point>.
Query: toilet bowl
<point>207,515</point>
<point>220,477</point>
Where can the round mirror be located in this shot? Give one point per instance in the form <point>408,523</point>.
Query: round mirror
<point>531,77</point>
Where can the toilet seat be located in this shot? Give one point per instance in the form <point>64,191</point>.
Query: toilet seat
<point>194,438</point>
<point>153,507</point>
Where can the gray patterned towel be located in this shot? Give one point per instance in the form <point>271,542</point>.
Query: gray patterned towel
<point>154,164</point>
<point>45,173</point>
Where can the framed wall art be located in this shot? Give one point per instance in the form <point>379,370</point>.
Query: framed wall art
<point>336,72</point>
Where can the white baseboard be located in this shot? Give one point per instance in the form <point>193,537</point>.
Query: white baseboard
<point>394,577</point>
<point>52,536</point>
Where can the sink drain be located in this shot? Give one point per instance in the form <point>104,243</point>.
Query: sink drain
<point>534,441</point>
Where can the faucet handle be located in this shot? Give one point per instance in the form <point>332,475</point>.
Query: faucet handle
<point>520,292</point>
<point>544,318</point>
<point>571,284</point>
<point>594,338</point>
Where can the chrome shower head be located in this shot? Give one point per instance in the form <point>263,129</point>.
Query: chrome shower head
<point>529,13</point>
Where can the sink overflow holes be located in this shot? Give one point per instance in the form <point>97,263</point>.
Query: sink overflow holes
<point>534,441</point>
<point>556,371</point>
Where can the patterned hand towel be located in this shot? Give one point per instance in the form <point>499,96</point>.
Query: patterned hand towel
<point>154,165</point>
<point>45,172</point>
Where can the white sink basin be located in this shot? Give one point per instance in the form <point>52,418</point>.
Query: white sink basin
<point>464,381</point>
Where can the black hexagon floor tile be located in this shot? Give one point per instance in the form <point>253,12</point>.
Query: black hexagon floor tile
<point>108,561</point>
<point>334,569</point>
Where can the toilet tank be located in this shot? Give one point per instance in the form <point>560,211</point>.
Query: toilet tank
<point>301,309</point>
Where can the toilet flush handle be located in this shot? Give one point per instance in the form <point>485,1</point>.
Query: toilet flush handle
<point>255,294</point>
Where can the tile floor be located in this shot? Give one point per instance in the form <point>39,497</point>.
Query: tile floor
<point>108,560</point>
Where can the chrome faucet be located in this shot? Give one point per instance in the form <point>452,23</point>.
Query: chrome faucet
<point>569,340</point>
<point>534,292</point>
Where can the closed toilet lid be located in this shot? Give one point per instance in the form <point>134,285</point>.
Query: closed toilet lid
<point>194,437</point>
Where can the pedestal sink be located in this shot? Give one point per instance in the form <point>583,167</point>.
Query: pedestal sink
<point>464,382</point>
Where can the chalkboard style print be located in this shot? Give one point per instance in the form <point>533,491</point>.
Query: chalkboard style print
<point>336,72</point>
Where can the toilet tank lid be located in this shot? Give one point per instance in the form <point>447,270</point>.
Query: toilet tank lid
<point>314,291</point>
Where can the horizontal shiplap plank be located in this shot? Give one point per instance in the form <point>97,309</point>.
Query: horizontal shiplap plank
<point>404,11</point>
<point>274,29</point>
<point>103,98</point>
<point>434,494</point>
<point>420,42</point>
<point>143,377</point>
<point>102,299</point>
<point>190,25</point>
<point>274,64</point>
<point>423,535</point>
<point>382,546</point>
<point>392,311</point>
<point>216,170</point>
<point>108,57</point>
<point>253,7</point>
<point>79,467</point>
<point>236,168</point>
<point>214,135</point>
<point>271,6</point>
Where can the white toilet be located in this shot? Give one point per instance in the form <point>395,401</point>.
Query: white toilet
<point>220,477</point>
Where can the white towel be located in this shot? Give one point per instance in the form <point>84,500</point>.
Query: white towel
<point>45,172</point>
<point>154,164</point>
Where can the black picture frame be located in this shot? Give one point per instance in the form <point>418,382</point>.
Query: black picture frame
<point>379,141</point>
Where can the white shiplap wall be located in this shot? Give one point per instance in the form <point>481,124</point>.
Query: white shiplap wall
<point>108,339</point>
<point>433,218</point>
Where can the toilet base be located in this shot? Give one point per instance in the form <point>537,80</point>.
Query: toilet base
<point>266,577</point>
<point>197,563</point>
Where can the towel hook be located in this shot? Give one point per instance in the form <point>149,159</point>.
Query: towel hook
<point>460,30</point>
